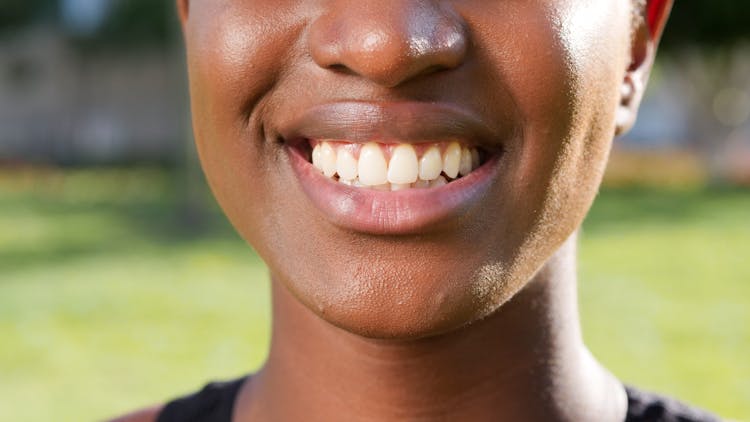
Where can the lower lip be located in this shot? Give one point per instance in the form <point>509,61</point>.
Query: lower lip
<point>409,211</point>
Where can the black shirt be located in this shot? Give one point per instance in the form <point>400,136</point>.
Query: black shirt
<point>214,403</point>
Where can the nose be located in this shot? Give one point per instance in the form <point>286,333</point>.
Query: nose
<point>388,42</point>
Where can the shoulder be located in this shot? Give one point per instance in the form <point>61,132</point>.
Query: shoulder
<point>144,415</point>
<point>214,402</point>
<point>644,406</point>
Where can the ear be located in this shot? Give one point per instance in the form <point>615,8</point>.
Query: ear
<point>645,39</point>
<point>183,7</point>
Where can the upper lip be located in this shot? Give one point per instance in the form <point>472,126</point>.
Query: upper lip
<point>391,122</point>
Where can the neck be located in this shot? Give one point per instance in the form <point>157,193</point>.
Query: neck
<point>526,361</point>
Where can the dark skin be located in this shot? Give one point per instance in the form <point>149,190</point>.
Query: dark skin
<point>473,317</point>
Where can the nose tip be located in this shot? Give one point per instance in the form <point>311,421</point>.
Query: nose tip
<point>388,43</point>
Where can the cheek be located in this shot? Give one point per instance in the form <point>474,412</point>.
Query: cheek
<point>562,62</point>
<point>594,43</point>
<point>232,61</point>
<point>596,37</point>
<point>235,52</point>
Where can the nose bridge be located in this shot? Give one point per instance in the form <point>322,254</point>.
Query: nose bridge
<point>388,42</point>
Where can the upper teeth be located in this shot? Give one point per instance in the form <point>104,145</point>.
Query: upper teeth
<point>394,167</point>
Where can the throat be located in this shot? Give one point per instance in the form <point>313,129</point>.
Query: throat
<point>524,362</point>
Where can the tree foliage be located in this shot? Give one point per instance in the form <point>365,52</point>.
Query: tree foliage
<point>707,24</point>
<point>139,22</point>
<point>17,13</point>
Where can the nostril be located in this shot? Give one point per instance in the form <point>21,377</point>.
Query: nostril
<point>340,68</point>
<point>433,69</point>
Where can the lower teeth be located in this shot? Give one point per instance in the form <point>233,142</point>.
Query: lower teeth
<point>393,187</point>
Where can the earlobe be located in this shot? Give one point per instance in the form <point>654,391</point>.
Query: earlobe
<point>631,93</point>
<point>634,81</point>
<point>645,39</point>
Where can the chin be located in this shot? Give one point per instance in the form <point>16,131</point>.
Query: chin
<point>403,303</point>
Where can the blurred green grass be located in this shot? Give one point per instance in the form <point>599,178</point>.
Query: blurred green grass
<point>113,296</point>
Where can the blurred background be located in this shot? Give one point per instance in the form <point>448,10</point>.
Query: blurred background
<point>121,283</point>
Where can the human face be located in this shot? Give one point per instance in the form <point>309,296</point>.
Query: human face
<point>532,84</point>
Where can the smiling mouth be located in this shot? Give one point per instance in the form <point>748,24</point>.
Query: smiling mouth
<point>393,167</point>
